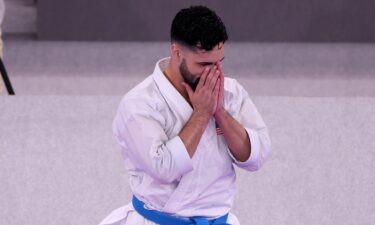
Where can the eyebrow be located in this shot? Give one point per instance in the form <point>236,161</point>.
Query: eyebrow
<point>209,63</point>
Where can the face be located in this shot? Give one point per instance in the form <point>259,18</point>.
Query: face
<point>194,61</point>
<point>188,76</point>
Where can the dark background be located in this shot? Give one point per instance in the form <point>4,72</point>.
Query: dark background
<point>246,20</point>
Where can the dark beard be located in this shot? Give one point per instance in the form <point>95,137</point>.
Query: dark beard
<point>195,84</point>
<point>187,76</point>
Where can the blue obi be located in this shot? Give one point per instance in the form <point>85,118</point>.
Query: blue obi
<point>167,219</point>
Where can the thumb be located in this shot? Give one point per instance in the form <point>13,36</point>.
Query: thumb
<point>188,89</point>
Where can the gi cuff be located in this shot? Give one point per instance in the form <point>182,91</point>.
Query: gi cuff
<point>180,155</point>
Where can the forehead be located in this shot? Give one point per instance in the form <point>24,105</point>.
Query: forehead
<point>214,55</point>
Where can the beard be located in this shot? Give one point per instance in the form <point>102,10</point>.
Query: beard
<point>188,77</point>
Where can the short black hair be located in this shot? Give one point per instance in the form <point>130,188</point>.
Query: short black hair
<point>198,26</point>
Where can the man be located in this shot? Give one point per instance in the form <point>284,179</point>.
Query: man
<point>182,129</point>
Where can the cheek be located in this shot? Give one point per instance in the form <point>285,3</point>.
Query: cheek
<point>194,68</point>
<point>197,70</point>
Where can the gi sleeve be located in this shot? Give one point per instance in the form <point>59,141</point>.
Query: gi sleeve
<point>139,131</point>
<point>248,116</point>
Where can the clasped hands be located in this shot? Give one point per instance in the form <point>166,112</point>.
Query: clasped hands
<point>208,98</point>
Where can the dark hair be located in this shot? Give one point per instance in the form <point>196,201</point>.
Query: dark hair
<point>198,26</point>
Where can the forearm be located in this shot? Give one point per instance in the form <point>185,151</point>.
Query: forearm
<point>192,132</point>
<point>204,101</point>
<point>235,135</point>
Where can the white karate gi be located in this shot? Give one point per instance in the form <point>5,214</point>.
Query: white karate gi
<point>161,173</point>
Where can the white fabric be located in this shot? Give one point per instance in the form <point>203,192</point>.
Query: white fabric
<point>161,173</point>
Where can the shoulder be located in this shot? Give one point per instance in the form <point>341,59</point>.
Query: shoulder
<point>145,98</point>
<point>234,95</point>
<point>233,88</point>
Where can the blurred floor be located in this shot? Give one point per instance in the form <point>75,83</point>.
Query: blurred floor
<point>60,163</point>
<point>267,69</point>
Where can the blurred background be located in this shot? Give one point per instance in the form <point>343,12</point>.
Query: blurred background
<point>298,48</point>
<point>308,66</point>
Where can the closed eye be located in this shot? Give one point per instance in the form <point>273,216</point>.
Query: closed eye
<point>209,63</point>
<point>205,64</point>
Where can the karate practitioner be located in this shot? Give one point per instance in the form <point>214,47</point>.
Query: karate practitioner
<point>182,130</point>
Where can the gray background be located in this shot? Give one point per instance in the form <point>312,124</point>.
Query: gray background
<point>246,20</point>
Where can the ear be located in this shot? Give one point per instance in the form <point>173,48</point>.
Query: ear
<point>176,51</point>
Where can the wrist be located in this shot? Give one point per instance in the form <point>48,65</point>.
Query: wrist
<point>219,113</point>
<point>201,117</point>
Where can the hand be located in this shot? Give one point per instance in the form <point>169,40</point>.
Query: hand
<point>220,100</point>
<point>204,99</point>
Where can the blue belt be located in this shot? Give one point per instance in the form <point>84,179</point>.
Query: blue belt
<point>167,219</point>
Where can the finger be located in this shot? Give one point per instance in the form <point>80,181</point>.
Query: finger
<point>222,80</point>
<point>221,89</point>
<point>220,68</point>
<point>188,89</point>
<point>217,87</point>
<point>203,78</point>
<point>210,75</point>
<point>214,76</point>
